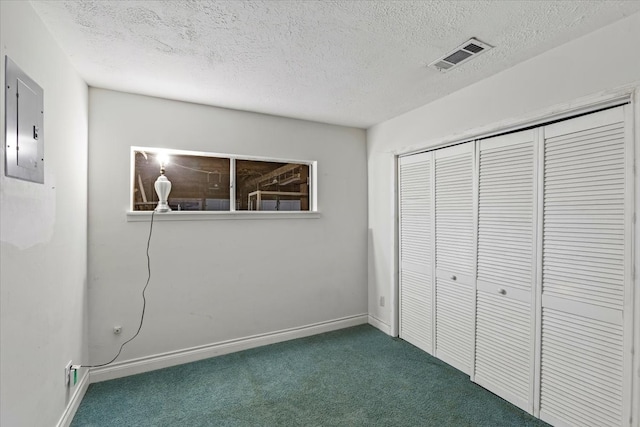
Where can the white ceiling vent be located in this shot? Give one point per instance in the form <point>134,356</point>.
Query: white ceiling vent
<point>460,55</point>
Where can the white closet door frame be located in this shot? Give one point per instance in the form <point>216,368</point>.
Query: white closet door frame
<point>634,135</point>
<point>629,274</point>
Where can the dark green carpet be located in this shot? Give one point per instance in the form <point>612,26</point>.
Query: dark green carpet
<point>352,377</point>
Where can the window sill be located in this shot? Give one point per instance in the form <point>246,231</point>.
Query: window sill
<point>140,216</point>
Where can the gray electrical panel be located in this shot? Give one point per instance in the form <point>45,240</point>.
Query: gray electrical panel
<point>24,109</point>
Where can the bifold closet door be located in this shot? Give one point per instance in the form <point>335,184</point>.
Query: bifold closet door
<point>586,277</point>
<point>415,243</point>
<point>455,254</point>
<point>505,320</point>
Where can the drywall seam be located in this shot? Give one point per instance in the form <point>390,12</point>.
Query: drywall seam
<point>164,360</point>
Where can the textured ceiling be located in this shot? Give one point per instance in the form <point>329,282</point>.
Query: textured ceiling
<point>353,63</point>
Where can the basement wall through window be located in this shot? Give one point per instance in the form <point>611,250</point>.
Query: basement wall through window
<point>212,182</point>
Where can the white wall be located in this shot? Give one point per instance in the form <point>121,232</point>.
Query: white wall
<point>220,279</point>
<point>43,234</point>
<point>595,64</point>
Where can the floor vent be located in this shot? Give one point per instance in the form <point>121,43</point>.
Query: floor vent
<point>460,55</point>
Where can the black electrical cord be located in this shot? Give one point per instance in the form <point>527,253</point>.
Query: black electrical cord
<point>144,302</point>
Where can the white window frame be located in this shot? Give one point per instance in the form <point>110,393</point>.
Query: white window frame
<point>232,213</point>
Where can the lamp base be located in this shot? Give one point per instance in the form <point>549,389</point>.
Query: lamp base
<point>163,187</point>
<point>162,207</point>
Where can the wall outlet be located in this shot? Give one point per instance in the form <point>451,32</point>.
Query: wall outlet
<point>73,374</point>
<point>67,374</point>
<point>117,329</point>
<point>381,301</point>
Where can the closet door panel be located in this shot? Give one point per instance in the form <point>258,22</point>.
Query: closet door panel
<point>504,350</point>
<point>455,254</point>
<point>582,365</point>
<point>505,320</point>
<point>454,323</point>
<point>416,241</point>
<point>585,277</point>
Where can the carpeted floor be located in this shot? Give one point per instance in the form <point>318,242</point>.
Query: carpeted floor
<point>353,377</point>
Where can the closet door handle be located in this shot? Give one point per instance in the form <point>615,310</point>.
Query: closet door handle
<point>453,277</point>
<point>502,291</point>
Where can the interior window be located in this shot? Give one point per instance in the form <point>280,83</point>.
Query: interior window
<point>205,183</point>
<point>198,183</point>
<point>272,186</point>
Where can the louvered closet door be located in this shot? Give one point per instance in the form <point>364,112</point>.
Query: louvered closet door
<point>455,254</point>
<point>505,321</point>
<point>585,361</point>
<point>416,240</point>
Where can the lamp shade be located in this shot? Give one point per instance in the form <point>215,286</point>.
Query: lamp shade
<point>163,188</point>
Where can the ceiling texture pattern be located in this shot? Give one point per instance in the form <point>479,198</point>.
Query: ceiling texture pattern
<point>353,63</point>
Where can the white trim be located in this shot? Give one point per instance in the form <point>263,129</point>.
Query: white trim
<point>566,110</point>
<point>629,303</point>
<point>145,216</point>
<point>187,355</point>
<point>394,306</point>
<point>379,324</point>
<point>313,186</point>
<point>635,256</point>
<point>232,185</point>
<point>74,402</point>
<point>172,151</point>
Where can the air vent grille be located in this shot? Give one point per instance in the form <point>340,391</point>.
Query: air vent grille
<point>458,56</point>
<point>470,49</point>
<point>473,48</point>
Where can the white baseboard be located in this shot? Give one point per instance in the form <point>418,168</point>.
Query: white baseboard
<point>179,357</point>
<point>74,402</point>
<point>377,323</point>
